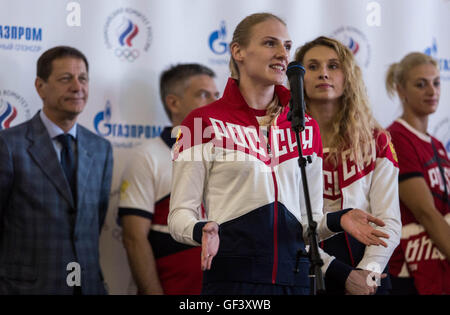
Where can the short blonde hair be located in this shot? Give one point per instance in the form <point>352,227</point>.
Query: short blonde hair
<point>397,73</point>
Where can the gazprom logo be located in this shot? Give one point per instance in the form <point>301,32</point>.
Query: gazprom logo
<point>126,31</point>
<point>444,64</point>
<point>7,115</point>
<point>20,33</point>
<point>432,50</point>
<point>106,128</point>
<point>217,40</point>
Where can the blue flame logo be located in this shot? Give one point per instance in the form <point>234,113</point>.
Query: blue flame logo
<point>217,40</point>
<point>104,115</point>
<point>432,50</point>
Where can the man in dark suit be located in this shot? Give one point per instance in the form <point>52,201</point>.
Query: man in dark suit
<point>55,179</point>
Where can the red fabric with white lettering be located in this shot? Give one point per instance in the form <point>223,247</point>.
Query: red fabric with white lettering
<point>250,183</point>
<point>238,129</point>
<point>428,267</point>
<point>347,172</point>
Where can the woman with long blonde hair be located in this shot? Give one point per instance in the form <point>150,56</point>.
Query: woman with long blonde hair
<point>424,184</point>
<point>360,167</point>
<point>236,157</point>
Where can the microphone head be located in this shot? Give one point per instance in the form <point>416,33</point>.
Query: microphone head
<point>295,68</point>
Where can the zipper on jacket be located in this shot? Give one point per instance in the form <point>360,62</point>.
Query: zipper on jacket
<point>275,231</point>
<point>269,150</point>
<point>275,212</point>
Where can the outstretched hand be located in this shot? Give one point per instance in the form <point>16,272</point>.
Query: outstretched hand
<point>356,222</point>
<point>210,244</point>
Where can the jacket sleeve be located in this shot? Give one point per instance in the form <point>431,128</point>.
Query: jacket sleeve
<point>334,268</point>
<point>384,204</point>
<point>190,169</point>
<point>106,186</point>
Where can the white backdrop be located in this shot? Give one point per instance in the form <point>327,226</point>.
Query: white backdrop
<point>129,43</point>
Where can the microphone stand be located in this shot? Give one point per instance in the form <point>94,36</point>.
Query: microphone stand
<point>317,285</point>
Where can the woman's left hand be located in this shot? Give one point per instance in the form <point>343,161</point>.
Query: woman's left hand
<point>356,222</point>
<point>210,244</point>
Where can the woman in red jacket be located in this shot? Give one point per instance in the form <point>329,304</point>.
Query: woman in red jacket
<point>360,169</point>
<point>238,157</point>
<point>420,264</point>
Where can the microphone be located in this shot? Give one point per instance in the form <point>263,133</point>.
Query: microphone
<point>295,72</point>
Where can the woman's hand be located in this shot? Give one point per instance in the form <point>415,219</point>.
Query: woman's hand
<point>356,222</point>
<point>361,282</point>
<point>210,244</point>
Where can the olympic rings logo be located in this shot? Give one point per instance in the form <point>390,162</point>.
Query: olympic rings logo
<point>127,54</point>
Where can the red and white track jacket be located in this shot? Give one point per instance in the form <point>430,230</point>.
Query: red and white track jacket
<point>372,187</point>
<point>250,186</point>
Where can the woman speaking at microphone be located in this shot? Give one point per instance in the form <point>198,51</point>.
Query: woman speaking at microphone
<point>360,167</point>
<point>238,157</point>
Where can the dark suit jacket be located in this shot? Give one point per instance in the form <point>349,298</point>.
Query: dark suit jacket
<point>42,229</point>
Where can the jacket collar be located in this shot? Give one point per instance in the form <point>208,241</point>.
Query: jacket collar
<point>233,95</point>
<point>53,129</point>
<point>42,151</point>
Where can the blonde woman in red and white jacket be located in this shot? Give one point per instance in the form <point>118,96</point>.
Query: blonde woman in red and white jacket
<point>360,166</point>
<point>247,177</point>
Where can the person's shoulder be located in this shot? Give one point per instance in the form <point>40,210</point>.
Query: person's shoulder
<point>382,136</point>
<point>403,143</point>
<point>15,132</point>
<point>384,146</point>
<point>92,138</point>
<point>401,136</point>
<point>395,127</point>
<point>142,157</point>
<point>210,109</point>
<point>150,147</point>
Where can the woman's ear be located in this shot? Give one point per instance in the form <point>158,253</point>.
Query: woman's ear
<point>236,52</point>
<point>401,94</point>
